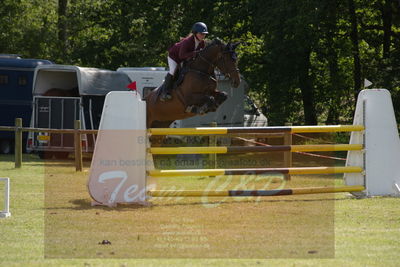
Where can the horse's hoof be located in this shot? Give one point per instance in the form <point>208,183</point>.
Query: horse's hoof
<point>164,98</point>
<point>201,111</point>
<point>189,109</point>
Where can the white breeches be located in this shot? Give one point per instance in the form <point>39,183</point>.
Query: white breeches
<point>172,65</point>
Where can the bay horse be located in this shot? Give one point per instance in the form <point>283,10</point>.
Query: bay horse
<point>197,94</point>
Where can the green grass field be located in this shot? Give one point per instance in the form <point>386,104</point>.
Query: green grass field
<point>53,223</point>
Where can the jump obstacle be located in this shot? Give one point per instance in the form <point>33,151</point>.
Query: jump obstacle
<point>122,160</point>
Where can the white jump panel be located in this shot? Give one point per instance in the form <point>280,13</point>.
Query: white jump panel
<point>381,160</point>
<point>118,169</point>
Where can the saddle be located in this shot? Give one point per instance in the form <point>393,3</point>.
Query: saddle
<point>180,75</point>
<point>177,78</point>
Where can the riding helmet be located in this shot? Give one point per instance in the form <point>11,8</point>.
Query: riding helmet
<point>199,27</point>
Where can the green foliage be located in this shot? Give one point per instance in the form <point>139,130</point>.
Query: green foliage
<point>27,28</point>
<point>299,57</point>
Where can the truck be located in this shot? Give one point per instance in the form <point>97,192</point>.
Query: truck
<point>63,94</point>
<point>238,110</point>
<point>16,79</point>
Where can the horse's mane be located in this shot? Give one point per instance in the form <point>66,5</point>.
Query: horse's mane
<point>216,41</point>
<point>229,47</point>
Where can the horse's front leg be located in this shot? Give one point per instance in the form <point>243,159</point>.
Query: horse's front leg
<point>220,97</point>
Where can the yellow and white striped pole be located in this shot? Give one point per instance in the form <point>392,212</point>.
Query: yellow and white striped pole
<point>254,193</point>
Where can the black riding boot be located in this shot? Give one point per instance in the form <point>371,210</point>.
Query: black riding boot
<point>166,92</point>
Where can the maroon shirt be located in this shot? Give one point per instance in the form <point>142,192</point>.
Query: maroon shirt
<point>184,49</point>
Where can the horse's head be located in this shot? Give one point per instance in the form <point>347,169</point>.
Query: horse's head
<point>227,63</point>
<point>223,56</point>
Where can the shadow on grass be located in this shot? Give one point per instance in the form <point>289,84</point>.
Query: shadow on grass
<point>85,204</point>
<point>33,160</point>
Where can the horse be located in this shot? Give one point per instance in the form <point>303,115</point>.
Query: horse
<point>197,94</point>
<point>62,92</point>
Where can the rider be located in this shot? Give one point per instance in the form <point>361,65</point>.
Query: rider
<point>181,51</point>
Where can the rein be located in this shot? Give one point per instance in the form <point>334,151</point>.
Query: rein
<point>203,73</point>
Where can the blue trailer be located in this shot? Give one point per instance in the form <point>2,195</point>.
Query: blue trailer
<point>16,78</point>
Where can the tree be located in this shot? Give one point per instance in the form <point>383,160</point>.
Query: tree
<point>305,60</point>
<point>62,25</point>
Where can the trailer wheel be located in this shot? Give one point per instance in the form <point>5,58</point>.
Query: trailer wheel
<point>6,147</point>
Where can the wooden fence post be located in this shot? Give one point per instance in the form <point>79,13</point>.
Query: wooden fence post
<point>287,156</point>
<point>78,146</point>
<point>18,143</point>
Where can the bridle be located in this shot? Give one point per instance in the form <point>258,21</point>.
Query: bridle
<point>220,57</point>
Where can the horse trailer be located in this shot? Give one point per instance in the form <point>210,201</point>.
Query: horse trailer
<point>63,94</point>
<point>16,76</point>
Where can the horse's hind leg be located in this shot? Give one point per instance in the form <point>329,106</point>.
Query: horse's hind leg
<point>160,124</point>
